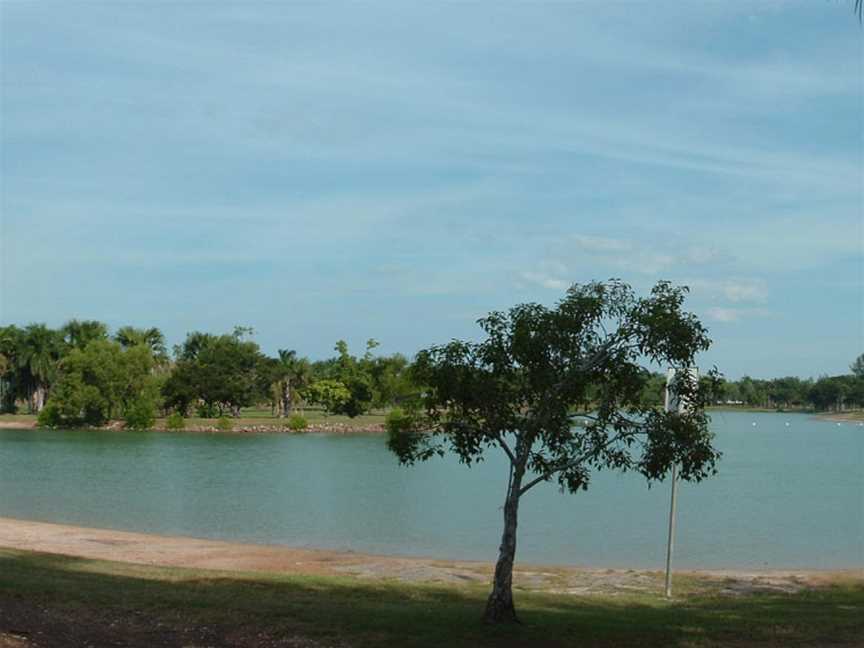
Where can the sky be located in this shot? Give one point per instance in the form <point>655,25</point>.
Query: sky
<point>320,171</point>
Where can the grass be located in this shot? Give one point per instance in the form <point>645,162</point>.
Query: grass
<point>257,417</point>
<point>355,612</point>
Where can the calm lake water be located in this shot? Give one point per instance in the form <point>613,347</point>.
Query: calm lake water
<point>786,496</point>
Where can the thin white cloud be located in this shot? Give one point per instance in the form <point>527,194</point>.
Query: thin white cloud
<point>735,290</point>
<point>545,281</point>
<point>728,315</point>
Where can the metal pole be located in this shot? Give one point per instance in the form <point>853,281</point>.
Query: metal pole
<point>671,543</point>
<point>671,404</point>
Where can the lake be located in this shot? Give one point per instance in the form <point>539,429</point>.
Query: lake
<point>789,494</point>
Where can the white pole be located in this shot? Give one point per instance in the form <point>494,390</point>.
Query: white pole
<point>671,542</point>
<point>669,405</point>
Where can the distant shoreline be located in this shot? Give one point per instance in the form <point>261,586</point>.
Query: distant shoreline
<point>314,428</point>
<point>277,426</point>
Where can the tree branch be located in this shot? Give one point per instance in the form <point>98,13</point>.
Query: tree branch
<point>571,464</point>
<point>506,448</point>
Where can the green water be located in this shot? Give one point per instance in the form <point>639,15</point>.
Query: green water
<point>786,496</point>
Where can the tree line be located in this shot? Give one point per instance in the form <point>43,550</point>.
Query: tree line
<point>826,393</point>
<point>81,373</point>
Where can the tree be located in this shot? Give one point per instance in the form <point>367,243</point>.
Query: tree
<point>332,395</point>
<point>103,381</point>
<point>391,380</point>
<point>152,338</point>
<point>10,374</point>
<point>857,367</point>
<point>291,375</point>
<point>223,372</point>
<point>523,388</point>
<point>78,334</point>
<point>355,376</point>
<point>39,351</point>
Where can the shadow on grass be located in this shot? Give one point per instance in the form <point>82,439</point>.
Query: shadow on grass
<point>359,612</point>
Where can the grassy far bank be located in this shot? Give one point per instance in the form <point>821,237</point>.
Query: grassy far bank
<point>252,418</point>
<point>49,600</point>
<point>261,418</point>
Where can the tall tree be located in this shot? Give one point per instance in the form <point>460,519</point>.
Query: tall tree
<point>78,334</point>
<point>857,367</point>
<point>152,338</point>
<point>10,373</point>
<point>222,372</point>
<point>38,354</point>
<point>100,382</point>
<point>541,370</point>
<point>287,365</point>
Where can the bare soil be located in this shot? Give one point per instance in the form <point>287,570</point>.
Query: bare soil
<point>196,553</point>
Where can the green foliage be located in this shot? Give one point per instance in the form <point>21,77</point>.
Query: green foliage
<point>224,424</point>
<point>521,389</point>
<point>152,338</point>
<point>78,334</point>
<point>102,381</point>
<point>537,365</point>
<point>332,395</point>
<point>222,372</point>
<point>298,423</point>
<point>857,367</point>
<point>37,356</point>
<point>175,421</point>
<point>205,410</point>
<point>49,417</point>
<point>140,414</point>
<point>404,430</point>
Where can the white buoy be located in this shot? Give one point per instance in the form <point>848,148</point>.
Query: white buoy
<point>754,423</point>
<point>787,423</point>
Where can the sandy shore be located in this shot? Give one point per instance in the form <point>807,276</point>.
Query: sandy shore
<point>17,425</point>
<point>196,553</point>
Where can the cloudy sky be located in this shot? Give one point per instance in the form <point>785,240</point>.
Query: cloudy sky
<point>325,171</point>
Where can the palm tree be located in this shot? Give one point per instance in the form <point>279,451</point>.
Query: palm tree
<point>294,375</point>
<point>78,334</point>
<point>287,358</point>
<point>38,356</point>
<point>130,336</point>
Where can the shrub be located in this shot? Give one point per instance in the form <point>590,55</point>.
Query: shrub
<point>224,424</point>
<point>298,423</point>
<point>140,415</point>
<point>175,421</point>
<point>206,411</point>
<point>49,416</point>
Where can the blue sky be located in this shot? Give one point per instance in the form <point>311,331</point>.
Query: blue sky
<point>326,171</point>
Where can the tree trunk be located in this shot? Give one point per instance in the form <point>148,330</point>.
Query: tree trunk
<point>38,399</point>
<point>286,399</point>
<point>499,606</point>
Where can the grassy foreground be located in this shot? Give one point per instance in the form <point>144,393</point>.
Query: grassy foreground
<point>51,600</point>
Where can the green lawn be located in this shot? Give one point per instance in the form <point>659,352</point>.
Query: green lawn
<point>250,417</point>
<point>180,606</point>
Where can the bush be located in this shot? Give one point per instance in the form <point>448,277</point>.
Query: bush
<point>224,424</point>
<point>298,423</point>
<point>175,421</point>
<point>49,416</point>
<point>206,411</point>
<point>140,415</point>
